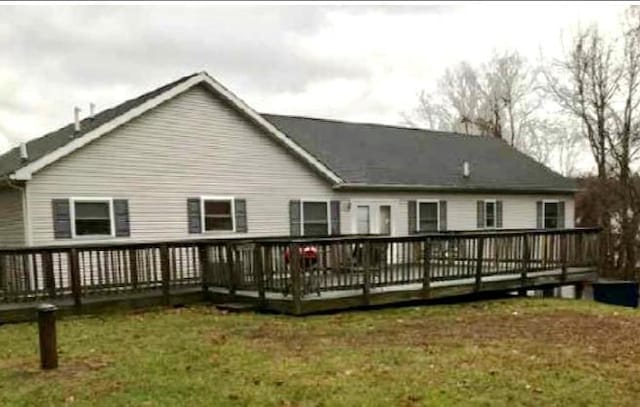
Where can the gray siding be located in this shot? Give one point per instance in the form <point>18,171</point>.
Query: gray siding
<point>195,145</point>
<point>11,220</point>
<point>191,146</point>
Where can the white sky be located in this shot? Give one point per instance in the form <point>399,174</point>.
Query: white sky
<point>350,62</point>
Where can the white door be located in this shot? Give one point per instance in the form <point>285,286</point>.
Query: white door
<point>363,220</point>
<point>384,221</point>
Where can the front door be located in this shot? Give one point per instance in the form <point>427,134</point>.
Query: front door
<point>384,223</point>
<point>363,220</point>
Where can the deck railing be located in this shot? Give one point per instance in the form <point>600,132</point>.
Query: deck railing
<point>291,268</point>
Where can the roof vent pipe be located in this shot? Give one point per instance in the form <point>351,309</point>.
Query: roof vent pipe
<point>466,169</point>
<point>76,115</point>
<point>92,110</point>
<point>24,154</point>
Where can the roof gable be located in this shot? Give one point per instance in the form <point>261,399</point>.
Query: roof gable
<point>379,156</point>
<point>55,145</point>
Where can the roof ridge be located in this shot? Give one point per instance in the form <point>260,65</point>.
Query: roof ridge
<point>393,126</point>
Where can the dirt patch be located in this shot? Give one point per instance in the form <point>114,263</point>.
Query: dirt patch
<point>67,368</point>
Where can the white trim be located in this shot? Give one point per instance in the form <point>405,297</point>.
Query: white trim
<point>72,217</point>
<point>26,216</point>
<point>418,202</point>
<point>25,173</point>
<point>327,202</point>
<point>217,198</point>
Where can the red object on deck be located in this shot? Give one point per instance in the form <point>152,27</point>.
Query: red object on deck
<point>308,254</point>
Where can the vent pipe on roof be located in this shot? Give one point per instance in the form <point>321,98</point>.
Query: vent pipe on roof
<point>76,116</point>
<point>92,110</point>
<point>24,154</point>
<point>466,169</point>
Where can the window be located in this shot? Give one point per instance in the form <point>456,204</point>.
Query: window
<point>92,217</point>
<point>362,227</point>
<point>428,216</point>
<point>489,214</point>
<point>315,218</point>
<point>217,214</point>
<point>551,215</point>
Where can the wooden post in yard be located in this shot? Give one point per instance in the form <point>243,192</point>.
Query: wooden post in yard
<point>426,269</point>
<point>366,263</point>
<point>479,256</point>
<point>258,274</point>
<point>76,283</point>
<point>165,273</point>
<point>47,336</point>
<point>296,283</point>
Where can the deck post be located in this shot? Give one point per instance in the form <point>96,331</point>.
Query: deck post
<point>426,269</point>
<point>366,263</point>
<point>230,270</point>
<point>47,269</point>
<point>76,285</point>
<point>479,258</point>
<point>165,273</point>
<point>296,288</point>
<point>526,257</point>
<point>133,268</point>
<point>258,274</point>
<point>563,256</point>
<point>204,264</point>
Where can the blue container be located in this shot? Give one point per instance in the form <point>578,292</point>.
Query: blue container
<point>623,293</point>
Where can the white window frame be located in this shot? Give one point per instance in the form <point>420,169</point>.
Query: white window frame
<point>495,213</point>
<point>327,202</point>
<point>72,215</point>
<point>205,198</point>
<point>369,222</point>
<point>418,202</point>
<point>544,210</point>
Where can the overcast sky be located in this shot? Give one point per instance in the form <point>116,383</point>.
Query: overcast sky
<point>363,63</point>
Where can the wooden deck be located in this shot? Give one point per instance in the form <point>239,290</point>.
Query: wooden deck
<point>278,274</point>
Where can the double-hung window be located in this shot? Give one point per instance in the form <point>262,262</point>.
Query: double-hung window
<point>315,218</point>
<point>490,214</point>
<point>428,216</point>
<point>218,214</point>
<point>551,215</point>
<point>92,216</point>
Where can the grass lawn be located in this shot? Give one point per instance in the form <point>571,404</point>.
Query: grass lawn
<point>504,352</point>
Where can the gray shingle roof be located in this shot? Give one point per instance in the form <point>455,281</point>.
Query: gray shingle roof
<point>382,155</point>
<point>41,146</point>
<point>365,154</point>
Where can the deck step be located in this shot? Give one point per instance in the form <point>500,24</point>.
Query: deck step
<point>236,306</point>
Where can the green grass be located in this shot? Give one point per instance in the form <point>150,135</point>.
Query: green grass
<point>500,353</point>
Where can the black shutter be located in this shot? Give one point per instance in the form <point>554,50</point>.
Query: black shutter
<point>499,214</point>
<point>335,217</point>
<point>61,219</point>
<point>193,215</point>
<point>443,215</point>
<point>121,217</point>
<point>539,220</point>
<point>561,224</point>
<point>295,228</point>
<point>412,213</point>
<point>241,215</point>
<point>480,214</point>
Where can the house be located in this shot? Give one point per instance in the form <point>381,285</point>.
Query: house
<point>191,159</point>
